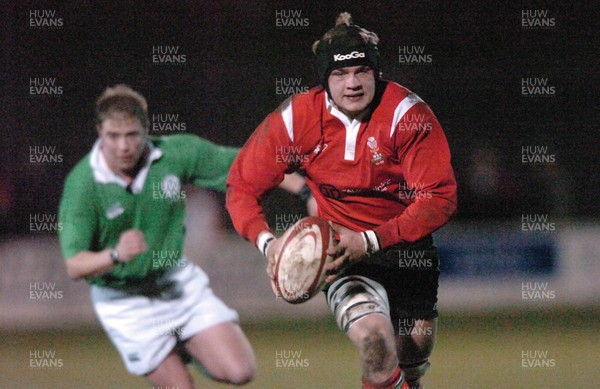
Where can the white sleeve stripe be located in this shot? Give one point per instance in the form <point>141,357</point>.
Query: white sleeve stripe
<point>402,108</point>
<point>288,117</point>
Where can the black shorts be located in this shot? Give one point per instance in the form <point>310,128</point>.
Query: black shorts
<point>409,274</point>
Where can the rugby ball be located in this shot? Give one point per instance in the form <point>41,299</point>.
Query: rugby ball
<point>299,273</point>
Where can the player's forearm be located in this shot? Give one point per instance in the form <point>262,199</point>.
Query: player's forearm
<point>88,263</point>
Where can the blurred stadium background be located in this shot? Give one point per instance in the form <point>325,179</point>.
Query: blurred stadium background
<point>519,295</point>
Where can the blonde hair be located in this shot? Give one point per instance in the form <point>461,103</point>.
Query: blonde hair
<point>121,99</point>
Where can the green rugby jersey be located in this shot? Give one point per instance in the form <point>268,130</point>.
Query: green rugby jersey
<point>97,206</point>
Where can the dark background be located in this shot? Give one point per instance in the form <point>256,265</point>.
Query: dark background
<point>235,52</point>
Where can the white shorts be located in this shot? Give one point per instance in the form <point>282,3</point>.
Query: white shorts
<point>145,330</point>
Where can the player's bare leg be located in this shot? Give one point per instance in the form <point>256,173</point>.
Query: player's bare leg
<point>225,353</point>
<point>361,310</point>
<point>373,335</point>
<point>171,373</point>
<point>416,339</point>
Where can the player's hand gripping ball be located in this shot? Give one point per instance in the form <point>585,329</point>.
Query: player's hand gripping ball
<point>300,262</point>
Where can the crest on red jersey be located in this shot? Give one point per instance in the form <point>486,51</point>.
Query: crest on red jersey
<point>377,157</point>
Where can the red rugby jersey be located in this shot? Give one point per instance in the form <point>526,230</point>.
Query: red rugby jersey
<point>389,172</point>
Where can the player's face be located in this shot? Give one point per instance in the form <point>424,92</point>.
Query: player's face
<point>123,140</point>
<point>352,89</point>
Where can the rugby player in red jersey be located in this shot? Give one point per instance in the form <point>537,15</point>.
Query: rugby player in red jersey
<point>378,164</point>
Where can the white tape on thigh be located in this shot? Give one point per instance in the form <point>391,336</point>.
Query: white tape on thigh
<point>353,297</point>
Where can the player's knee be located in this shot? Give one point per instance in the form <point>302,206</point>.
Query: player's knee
<point>241,373</point>
<point>376,349</point>
<point>374,337</point>
<point>240,378</point>
<point>371,328</point>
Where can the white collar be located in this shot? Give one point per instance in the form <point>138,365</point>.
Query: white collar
<point>337,113</point>
<point>104,175</point>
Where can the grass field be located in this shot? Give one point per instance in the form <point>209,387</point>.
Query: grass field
<point>476,351</point>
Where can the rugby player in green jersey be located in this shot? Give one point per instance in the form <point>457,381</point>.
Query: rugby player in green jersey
<point>122,209</point>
